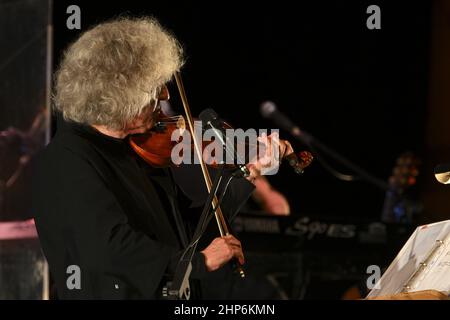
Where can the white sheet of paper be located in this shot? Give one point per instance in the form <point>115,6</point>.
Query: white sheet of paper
<point>434,276</point>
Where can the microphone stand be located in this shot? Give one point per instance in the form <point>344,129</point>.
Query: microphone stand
<point>178,288</point>
<point>310,141</point>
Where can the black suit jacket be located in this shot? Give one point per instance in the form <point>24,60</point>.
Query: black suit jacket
<point>96,208</point>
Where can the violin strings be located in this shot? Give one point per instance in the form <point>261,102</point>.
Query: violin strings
<point>168,122</point>
<point>174,117</point>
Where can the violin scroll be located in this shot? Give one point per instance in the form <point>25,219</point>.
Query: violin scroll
<point>299,162</point>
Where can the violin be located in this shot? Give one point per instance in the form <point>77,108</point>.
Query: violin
<point>156,146</point>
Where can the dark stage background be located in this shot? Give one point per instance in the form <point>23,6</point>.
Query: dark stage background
<point>362,92</point>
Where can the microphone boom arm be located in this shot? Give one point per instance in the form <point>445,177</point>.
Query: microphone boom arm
<point>314,143</point>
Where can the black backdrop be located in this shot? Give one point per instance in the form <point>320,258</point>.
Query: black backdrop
<point>362,92</point>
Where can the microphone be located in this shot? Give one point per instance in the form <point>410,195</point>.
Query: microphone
<point>212,121</point>
<point>270,110</point>
<point>442,173</point>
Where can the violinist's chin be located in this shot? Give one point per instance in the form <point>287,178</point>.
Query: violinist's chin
<point>139,130</point>
<point>140,125</point>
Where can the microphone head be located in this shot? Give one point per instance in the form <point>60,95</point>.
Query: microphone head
<point>210,119</point>
<point>267,109</point>
<point>208,115</point>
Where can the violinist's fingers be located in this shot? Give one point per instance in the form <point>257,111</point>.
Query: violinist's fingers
<point>235,246</point>
<point>288,149</point>
<point>237,252</point>
<point>273,149</point>
<point>241,258</point>
<point>284,146</point>
<point>265,152</point>
<point>262,138</point>
<point>274,135</point>
<point>232,240</point>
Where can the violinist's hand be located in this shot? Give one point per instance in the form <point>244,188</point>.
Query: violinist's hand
<point>221,250</point>
<point>270,157</point>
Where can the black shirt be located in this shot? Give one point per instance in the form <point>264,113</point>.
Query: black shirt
<point>99,207</point>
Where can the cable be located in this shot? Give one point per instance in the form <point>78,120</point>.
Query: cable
<point>206,222</point>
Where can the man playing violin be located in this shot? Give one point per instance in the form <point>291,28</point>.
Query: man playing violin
<point>99,208</point>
